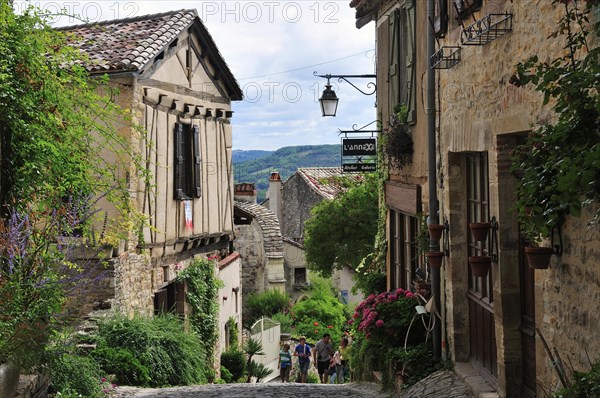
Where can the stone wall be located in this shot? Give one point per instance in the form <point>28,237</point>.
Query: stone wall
<point>135,282</point>
<point>298,198</point>
<point>249,243</point>
<point>567,299</point>
<point>482,112</point>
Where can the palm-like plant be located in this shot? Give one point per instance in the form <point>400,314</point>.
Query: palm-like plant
<point>252,348</point>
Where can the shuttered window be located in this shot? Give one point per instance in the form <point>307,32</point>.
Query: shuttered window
<point>404,258</point>
<point>187,162</point>
<point>402,59</point>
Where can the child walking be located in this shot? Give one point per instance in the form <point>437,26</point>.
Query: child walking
<point>285,363</point>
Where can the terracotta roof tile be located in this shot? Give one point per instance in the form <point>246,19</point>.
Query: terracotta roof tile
<point>128,44</point>
<point>321,180</point>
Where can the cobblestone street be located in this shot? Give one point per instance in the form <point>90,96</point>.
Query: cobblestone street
<point>442,384</point>
<point>269,390</point>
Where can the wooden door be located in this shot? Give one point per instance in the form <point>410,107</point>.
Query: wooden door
<point>481,294</point>
<point>528,386</point>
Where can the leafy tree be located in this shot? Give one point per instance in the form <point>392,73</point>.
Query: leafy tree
<point>341,232</point>
<point>321,312</point>
<point>51,168</point>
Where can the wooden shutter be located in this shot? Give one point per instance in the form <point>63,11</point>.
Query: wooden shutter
<point>178,163</point>
<point>410,65</point>
<point>197,162</point>
<point>394,57</point>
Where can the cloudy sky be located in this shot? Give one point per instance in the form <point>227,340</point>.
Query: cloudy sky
<point>272,48</point>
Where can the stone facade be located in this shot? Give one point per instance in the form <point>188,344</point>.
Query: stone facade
<point>298,200</point>
<point>305,189</point>
<point>567,297</point>
<point>258,240</point>
<point>481,114</point>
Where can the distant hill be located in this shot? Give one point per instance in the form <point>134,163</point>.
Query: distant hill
<point>284,160</point>
<point>240,155</point>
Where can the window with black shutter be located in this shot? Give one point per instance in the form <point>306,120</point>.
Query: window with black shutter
<point>402,58</point>
<point>187,162</point>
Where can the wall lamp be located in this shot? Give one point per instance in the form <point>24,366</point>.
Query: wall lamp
<point>329,100</point>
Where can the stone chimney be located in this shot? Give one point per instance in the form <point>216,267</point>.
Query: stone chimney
<point>275,195</point>
<point>245,192</point>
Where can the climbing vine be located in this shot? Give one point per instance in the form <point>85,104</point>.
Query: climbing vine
<point>202,290</point>
<point>560,161</point>
<point>57,124</point>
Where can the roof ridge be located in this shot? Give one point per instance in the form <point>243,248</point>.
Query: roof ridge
<point>127,20</point>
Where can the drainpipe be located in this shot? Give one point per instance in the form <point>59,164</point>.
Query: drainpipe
<point>432,177</point>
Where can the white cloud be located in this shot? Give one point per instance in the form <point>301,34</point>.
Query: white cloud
<point>259,38</point>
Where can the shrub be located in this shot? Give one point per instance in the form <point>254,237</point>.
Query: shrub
<point>160,344</point>
<point>285,321</point>
<point>382,325</point>
<point>235,362</point>
<point>123,364</point>
<point>321,312</point>
<point>586,384</point>
<point>73,374</point>
<point>226,375</point>
<point>264,304</point>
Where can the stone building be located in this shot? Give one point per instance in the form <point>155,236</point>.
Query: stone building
<point>293,201</point>
<point>495,323</point>
<point>258,240</point>
<point>179,89</point>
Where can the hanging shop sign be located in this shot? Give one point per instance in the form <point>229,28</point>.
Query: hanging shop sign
<point>359,155</point>
<point>359,146</point>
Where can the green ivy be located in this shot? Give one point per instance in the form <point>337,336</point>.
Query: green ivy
<point>560,161</point>
<point>202,290</point>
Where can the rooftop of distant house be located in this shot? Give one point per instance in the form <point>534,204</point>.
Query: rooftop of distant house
<point>326,181</point>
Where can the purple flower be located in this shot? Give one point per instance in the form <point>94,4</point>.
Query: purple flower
<point>379,323</point>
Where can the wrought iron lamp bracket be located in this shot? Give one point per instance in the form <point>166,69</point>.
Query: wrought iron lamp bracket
<point>446,241</point>
<point>494,238</point>
<point>371,85</point>
<point>556,247</point>
<point>362,130</point>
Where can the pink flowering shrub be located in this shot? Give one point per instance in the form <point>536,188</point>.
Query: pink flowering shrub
<point>386,318</point>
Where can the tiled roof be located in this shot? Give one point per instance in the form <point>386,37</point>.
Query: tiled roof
<point>130,44</point>
<point>365,9</point>
<point>244,188</point>
<point>322,180</point>
<point>268,224</point>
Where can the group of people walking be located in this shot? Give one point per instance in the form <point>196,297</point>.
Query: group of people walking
<point>327,361</point>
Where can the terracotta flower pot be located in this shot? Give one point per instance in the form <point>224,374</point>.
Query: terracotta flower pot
<point>435,231</point>
<point>480,265</point>
<point>479,230</point>
<point>539,257</point>
<point>435,259</point>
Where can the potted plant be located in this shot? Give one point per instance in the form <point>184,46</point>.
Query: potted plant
<point>536,231</point>
<point>480,265</point>
<point>539,257</point>
<point>479,230</point>
<point>435,259</point>
<point>435,231</point>
<point>557,165</point>
<point>423,288</point>
<point>397,142</point>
